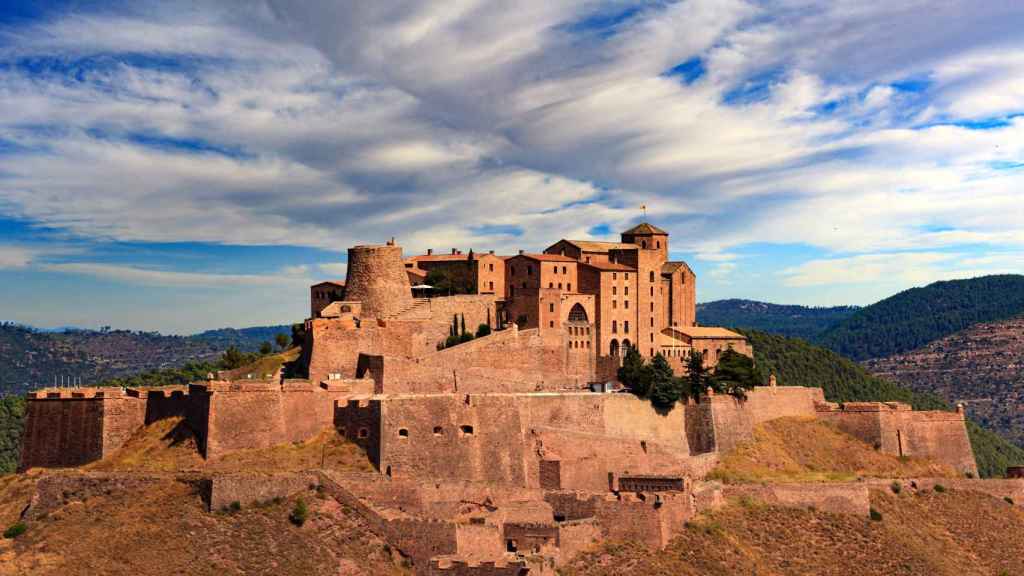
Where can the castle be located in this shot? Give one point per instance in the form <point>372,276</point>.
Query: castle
<point>506,453</point>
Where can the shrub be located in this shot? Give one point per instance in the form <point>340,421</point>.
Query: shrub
<point>483,330</point>
<point>876,516</point>
<point>940,488</point>
<point>466,337</point>
<point>299,513</point>
<point>235,506</point>
<point>266,348</point>
<point>1008,500</point>
<point>15,530</point>
<point>896,487</point>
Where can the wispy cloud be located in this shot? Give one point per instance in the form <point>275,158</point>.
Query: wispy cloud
<point>167,278</point>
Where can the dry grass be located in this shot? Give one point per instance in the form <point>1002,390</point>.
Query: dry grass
<point>808,450</point>
<point>169,446</point>
<point>265,365</point>
<point>164,530</point>
<point>928,534</point>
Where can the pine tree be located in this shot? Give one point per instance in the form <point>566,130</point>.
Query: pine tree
<point>665,387</point>
<point>697,378</point>
<point>634,374</point>
<point>735,374</point>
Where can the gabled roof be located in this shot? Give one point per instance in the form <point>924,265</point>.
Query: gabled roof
<point>449,257</point>
<point>595,246</point>
<point>645,228</point>
<point>609,266</point>
<point>671,267</point>
<point>547,257</point>
<point>331,282</point>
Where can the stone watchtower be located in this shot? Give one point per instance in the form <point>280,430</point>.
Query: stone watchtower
<point>376,277</point>
<point>651,255</point>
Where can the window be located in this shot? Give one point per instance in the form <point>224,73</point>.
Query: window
<point>625,303</point>
<point>643,243</point>
<point>626,290</point>
<point>568,287</point>
<point>615,275</point>
<point>652,337</point>
<point>652,290</point>
<point>652,306</point>
<point>403,433</point>
<point>658,244</point>
<point>652,275</point>
<point>492,286</point>
<point>652,322</point>
<point>614,290</point>
<point>363,433</point>
<point>588,259</point>
<point>559,285</point>
<point>491,267</point>
<point>625,326</point>
<point>438,430</point>
<point>551,324</point>
<point>627,275</point>
<point>551,307</point>
<point>615,304</point>
<point>551,284</point>
<point>466,430</point>
<point>615,327</point>
<point>563,270</point>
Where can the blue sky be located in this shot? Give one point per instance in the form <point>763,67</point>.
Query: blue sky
<point>178,166</point>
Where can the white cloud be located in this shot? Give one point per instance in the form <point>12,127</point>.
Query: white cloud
<point>336,270</point>
<point>15,257</point>
<point>168,278</point>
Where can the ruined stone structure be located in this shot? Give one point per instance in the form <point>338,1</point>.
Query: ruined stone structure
<point>493,456</point>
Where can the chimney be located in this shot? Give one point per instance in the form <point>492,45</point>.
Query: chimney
<point>430,251</point>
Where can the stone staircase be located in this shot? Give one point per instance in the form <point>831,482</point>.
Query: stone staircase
<point>419,309</point>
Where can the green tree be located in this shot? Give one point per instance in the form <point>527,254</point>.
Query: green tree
<point>266,348</point>
<point>298,334</point>
<point>698,377</point>
<point>232,358</point>
<point>463,326</point>
<point>634,374</point>
<point>735,374</point>
<point>483,330</point>
<point>666,389</point>
<point>282,340</point>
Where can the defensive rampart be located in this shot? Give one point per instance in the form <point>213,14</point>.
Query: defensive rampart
<point>894,428</point>
<point>71,427</point>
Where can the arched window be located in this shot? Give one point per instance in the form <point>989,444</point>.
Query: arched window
<point>643,243</point>
<point>626,345</point>
<point>613,349</point>
<point>578,313</point>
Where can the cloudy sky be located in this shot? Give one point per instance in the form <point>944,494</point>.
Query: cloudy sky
<point>187,165</point>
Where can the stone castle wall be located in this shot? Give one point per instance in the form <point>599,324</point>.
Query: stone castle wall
<point>895,429</point>
<point>72,427</point>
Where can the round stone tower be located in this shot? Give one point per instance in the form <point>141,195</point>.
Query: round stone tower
<point>377,278</point>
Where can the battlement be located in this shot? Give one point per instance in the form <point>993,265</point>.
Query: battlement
<point>75,393</point>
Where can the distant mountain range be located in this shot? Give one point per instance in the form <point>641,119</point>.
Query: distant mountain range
<point>792,321</point>
<point>32,358</point>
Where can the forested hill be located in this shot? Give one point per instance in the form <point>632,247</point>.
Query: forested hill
<point>31,358</point>
<point>805,322</point>
<point>918,316</point>
<point>797,363</point>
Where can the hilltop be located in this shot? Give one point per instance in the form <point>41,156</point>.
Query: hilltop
<point>793,321</point>
<point>915,317</point>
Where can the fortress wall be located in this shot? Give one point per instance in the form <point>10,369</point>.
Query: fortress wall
<point>895,429</point>
<point>450,439</point>
<point>335,347</point>
<point>575,537</point>
<point>836,498</point>
<point>940,436</point>
<point>243,420</point>
<point>360,421</point>
<point>631,518</point>
<point>77,426</point>
<point>479,541</point>
<point>995,487</point>
<point>252,488</point>
<point>733,420</point>
<point>456,567</point>
<point>165,403</point>
<point>476,308</point>
<point>507,361</point>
